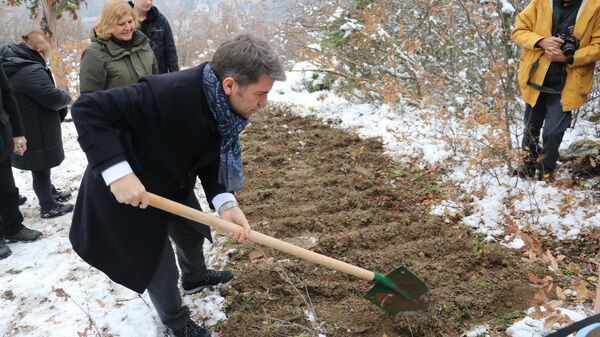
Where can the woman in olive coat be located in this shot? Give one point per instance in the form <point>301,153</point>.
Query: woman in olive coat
<point>119,53</point>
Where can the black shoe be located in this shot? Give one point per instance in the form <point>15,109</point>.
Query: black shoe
<point>545,176</point>
<point>191,329</point>
<point>24,235</point>
<point>4,251</point>
<point>22,199</point>
<point>60,195</point>
<point>524,171</point>
<point>58,210</point>
<point>211,279</point>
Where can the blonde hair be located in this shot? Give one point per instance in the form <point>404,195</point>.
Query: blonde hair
<point>112,12</point>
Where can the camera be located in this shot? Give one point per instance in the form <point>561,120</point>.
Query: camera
<point>570,45</point>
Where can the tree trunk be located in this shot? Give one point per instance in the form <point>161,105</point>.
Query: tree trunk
<point>48,23</point>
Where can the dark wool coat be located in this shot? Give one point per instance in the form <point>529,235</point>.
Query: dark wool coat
<point>42,107</point>
<point>163,127</point>
<point>157,28</point>
<point>10,118</point>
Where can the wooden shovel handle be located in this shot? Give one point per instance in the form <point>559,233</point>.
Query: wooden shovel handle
<point>226,226</point>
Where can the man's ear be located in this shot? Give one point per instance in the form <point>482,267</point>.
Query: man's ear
<point>229,84</point>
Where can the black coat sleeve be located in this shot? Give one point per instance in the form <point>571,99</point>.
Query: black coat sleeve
<point>42,90</point>
<point>209,177</point>
<point>170,50</point>
<point>10,105</point>
<point>101,116</point>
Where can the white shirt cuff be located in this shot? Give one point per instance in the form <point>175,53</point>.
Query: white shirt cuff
<point>116,172</point>
<point>222,198</point>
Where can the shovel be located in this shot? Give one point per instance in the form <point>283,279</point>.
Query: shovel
<point>399,291</point>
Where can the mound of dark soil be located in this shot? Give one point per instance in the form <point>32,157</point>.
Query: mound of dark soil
<point>329,191</point>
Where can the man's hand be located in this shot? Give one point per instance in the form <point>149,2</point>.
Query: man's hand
<point>236,216</point>
<point>557,57</point>
<point>550,43</point>
<point>552,49</point>
<point>19,145</point>
<point>130,190</point>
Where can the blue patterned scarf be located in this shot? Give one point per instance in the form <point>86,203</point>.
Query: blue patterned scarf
<point>230,125</point>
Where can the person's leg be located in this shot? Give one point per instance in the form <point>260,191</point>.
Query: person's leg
<point>164,291</point>
<point>190,256</point>
<point>9,201</point>
<point>43,189</point>
<point>11,219</point>
<point>9,211</point>
<point>555,125</point>
<point>534,119</point>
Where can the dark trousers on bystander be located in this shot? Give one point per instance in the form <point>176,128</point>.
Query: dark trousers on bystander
<point>42,185</point>
<point>10,215</point>
<point>547,114</point>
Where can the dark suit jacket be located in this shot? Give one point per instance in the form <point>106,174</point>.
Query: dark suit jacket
<point>163,127</point>
<point>10,118</point>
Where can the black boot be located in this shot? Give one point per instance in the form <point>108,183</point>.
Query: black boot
<point>211,279</point>
<point>57,210</point>
<point>60,195</point>
<point>524,171</point>
<point>24,235</point>
<point>191,329</point>
<point>4,250</point>
<point>545,175</point>
<point>22,199</point>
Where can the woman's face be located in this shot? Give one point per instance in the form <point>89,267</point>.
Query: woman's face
<point>124,28</point>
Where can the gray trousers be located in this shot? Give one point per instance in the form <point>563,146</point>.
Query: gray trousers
<point>547,113</point>
<point>163,289</point>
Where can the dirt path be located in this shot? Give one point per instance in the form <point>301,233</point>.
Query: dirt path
<point>329,191</point>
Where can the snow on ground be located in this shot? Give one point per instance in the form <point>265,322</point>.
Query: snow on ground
<point>411,133</point>
<point>46,290</point>
<point>495,200</point>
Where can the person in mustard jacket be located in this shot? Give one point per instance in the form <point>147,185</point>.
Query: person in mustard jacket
<point>561,44</point>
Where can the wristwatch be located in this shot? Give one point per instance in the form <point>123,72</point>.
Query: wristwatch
<point>227,205</point>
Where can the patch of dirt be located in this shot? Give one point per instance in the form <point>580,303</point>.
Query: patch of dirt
<point>304,179</point>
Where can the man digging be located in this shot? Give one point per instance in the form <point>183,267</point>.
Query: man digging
<point>159,135</point>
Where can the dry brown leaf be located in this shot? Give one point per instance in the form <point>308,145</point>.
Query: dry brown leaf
<point>529,257</point>
<point>556,318</point>
<point>534,279</point>
<point>255,255</point>
<point>560,293</point>
<point>532,243</point>
<point>573,268</point>
<point>551,260</point>
<point>582,292</point>
<point>100,303</point>
<point>511,229</point>
<point>537,314</point>
<point>60,292</point>
<point>539,298</point>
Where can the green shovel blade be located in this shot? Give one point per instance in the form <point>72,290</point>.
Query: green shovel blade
<point>399,291</point>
